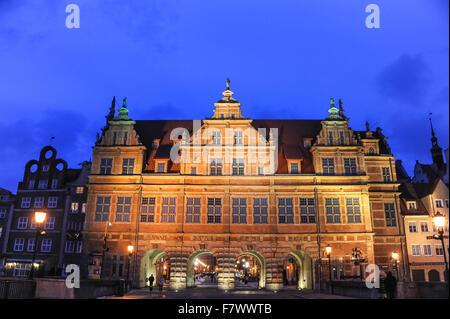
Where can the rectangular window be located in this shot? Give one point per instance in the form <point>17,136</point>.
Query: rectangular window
<point>160,167</point>
<point>446,203</point>
<point>54,183</point>
<point>42,184</point>
<point>328,166</point>
<point>353,210</point>
<point>386,174</point>
<point>285,211</point>
<point>45,168</point>
<point>214,215</point>
<point>412,227</point>
<point>439,203</point>
<point>69,247</point>
<point>238,166</point>
<point>260,210</point>
<point>148,210</point>
<point>79,190</point>
<point>307,211</point>
<point>260,170</point>
<point>123,209</point>
<point>50,223</point>
<point>341,138</point>
<point>102,208</point>
<point>18,244</point>
<point>350,166</point>
<point>389,211</point>
<point>79,247</point>
<point>114,138</point>
<point>105,166</point>
<point>332,210</point>
<point>38,202</point>
<point>427,250</point>
<point>31,184</point>
<point>22,223</point>
<point>2,212</point>
<point>424,227</point>
<point>239,210</point>
<point>238,139</point>
<point>216,140</point>
<point>26,202</point>
<point>415,249</point>
<point>168,209</point>
<point>83,208</point>
<point>46,245</point>
<point>294,168</point>
<point>439,251</point>
<point>31,244</point>
<point>128,166</point>
<point>125,138</point>
<point>411,205</point>
<point>193,170</point>
<point>216,166</point>
<point>193,210</point>
<point>52,202</point>
<point>74,208</point>
<point>330,138</point>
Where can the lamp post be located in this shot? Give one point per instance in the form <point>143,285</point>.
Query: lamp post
<point>328,252</point>
<point>105,249</point>
<point>439,222</point>
<point>130,253</point>
<point>358,260</point>
<point>39,218</point>
<point>395,257</point>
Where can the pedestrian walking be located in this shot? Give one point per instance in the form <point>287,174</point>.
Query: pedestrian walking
<point>390,284</point>
<point>161,282</point>
<point>151,279</point>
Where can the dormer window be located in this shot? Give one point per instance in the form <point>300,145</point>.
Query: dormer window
<point>411,205</point>
<point>371,150</point>
<point>160,167</point>
<point>155,144</point>
<point>294,168</point>
<point>307,142</point>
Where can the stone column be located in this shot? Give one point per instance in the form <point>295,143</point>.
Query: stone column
<point>226,271</point>
<point>178,269</point>
<point>274,275</point>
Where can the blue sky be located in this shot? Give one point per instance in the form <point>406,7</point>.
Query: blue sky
<point>170,58</point>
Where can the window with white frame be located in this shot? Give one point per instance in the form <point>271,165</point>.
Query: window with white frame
<point>52,202</point>
<point>46,245</point>
<point>415,250</point>
<point>38,202</point>
<point>332,210</point>
<point>216,166</point>
<point>19,244</point>
<point>83,208</point>
<point>216,138</point>
<point>438,203</point>
<point>238,166</point>
<point>50,223</point>
<point>427,250</point>
<point>22,223</point>
<point>168,209</point>
<point>411,205</point>
<point>74,207</point>
<point>26,202</point>
<point>260,170</point>
<point>260,210</point>
<point>412,226</point>
<point>307,211</point>
<point>31,244</point>
<point>69,247</point>
<point>353,210</point>
<point>193,209</point>
<point>439,250</point>
<point>79,247</point>
<point>42,184</point>
<point>424,227</point>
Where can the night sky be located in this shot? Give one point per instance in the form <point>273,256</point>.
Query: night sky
<point>170,58</point>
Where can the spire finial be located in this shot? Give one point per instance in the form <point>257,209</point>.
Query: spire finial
<point>112,109</point>
<point>228,83</point>
<point>331,102</point>
<point>341,109</point>
<point>431,124</point>
<point>367,126</point>
<point>124,102</point>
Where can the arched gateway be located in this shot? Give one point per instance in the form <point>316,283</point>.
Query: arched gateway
<point>154,262</point>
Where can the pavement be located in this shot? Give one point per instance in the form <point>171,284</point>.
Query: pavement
<point>214,293</point>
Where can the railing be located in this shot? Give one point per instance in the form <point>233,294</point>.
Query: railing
<point>17,289</point>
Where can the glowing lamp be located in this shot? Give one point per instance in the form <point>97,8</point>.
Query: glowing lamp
<point>39,217</point>
<point>130,249</point>
<point>439,220</point>
<point>328,250</point>
<point>395,256</point>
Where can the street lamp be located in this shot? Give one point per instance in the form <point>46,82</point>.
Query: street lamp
<point>439,222</point>
<point>395,257</point>
<point>328,252</point>
<point>130,253</point>
<point>39,218</point>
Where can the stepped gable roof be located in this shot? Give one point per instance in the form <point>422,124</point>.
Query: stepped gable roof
<point>290,137</point>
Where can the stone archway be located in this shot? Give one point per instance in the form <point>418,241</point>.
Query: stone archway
<point>262,264</point>
<point>150,265</point>
<point>192,264</point>
<point>305,271</point>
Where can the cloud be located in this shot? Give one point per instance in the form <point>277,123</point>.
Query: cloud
<point>405,80</point>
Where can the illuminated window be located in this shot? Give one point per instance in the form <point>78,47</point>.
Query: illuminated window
<point>411,205</point>
<point>332,210</point>
<point>328,166</point>
<point>285,211</point>
<point>353,210</point>
<point>193,210</point>
<point>294,168</point>
<point>214,215</point>
<point>128,166</point>
<point>123,209</point>
<point>238,166</point>
<point>79,190</point>
<point>74,208</point>
<point>148,210</point>
<point>216,166</point>
<point>350,166</point>
<point>260,210</point>
<point>239,210</point>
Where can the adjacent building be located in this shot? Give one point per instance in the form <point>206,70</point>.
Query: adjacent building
<point>420,202</point>
<point>6,208</point>
<point>279,191</point>
<point>48,185</point>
